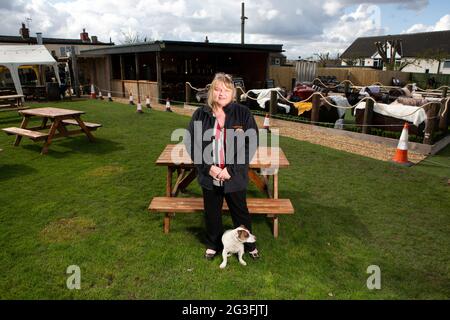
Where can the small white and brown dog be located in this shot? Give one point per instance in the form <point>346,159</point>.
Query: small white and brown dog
<point>233,242</point>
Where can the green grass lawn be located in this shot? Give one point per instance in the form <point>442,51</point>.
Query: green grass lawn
<point>86,204</point>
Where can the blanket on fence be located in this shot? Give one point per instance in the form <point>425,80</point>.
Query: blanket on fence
<point>416,115</point>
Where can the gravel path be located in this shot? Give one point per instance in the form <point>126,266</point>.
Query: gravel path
<point>306,132</point>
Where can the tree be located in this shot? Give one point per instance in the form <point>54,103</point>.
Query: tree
<point>395,47</point>
<point>131,37</point>
<point>353,60</point>
<point>382,48</point>
<point>325,60</point>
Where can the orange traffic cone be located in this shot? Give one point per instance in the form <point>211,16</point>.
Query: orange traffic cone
<point>131,99</point>
<point>168,108</point>
<point>147,102</point>
<point>93,95</point>
<point>267,122</point>
<point>401,154</point>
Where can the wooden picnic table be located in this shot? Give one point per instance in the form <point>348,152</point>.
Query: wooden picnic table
<point>59,118</point>
<point>266,159</point>
<point>11,102</point>
<point>265,163</point>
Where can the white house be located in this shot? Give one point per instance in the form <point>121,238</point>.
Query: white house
<point>416,48</point>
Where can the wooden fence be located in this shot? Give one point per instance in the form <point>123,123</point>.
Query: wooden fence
<point>282,76</point>
<point>146,88</point>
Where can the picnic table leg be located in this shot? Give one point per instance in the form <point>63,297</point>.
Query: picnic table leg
<point>275,226</point>
<point>167,223</point>
<point>85,130</point>
<point>259,183</point>
<point>23,125</point>
<point>44,122</point>
<point>167,216</point>
<point>266,179</point>
<point>183,181</point>
<point>275,186</point>
<point>275,196</point>
<point>62,129</point>
<point>169,182</point>
<point>52,132</point>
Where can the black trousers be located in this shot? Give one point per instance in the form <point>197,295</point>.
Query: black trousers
<point>237,203</point>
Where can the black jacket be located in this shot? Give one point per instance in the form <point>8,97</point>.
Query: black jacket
<point>238,119</point>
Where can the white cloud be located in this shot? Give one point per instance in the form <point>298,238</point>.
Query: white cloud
<point>442,24</point>
<point>363,22</point>
<point>333,7</point>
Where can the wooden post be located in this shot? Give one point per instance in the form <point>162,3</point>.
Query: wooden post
<point>108,72</point>
<point>443,119</point>
<point>346,88</point>
<point>188,93</point>
<point>76,81</point>
<point>431,111</point>
<point>122,75</point>
<point>158,75</point>
<point>93,72</point>
<point>315,109</point>
<point>446,116</point>
<point>368,113</point>
<point>136,62</point>
<point>273,102</point>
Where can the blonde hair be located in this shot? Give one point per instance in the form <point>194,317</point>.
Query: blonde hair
<point>227,81</point>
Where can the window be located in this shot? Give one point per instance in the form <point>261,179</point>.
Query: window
<point>65,50</point>
<point>446,64</point>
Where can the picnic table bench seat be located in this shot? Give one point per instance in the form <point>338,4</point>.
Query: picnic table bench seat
<point>90,125</point>
<point>170,205</point>
<point>32,134</point>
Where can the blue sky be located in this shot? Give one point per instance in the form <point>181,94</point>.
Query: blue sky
<point>398,20</point>
<point>303,27</point>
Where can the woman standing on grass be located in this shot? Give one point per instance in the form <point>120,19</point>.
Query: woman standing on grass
<point>221,161</point>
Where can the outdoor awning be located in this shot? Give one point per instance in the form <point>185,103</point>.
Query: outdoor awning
<point>13,57</point>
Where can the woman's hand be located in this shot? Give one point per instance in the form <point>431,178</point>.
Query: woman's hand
<point>214,172</point>
<point>224,175</point>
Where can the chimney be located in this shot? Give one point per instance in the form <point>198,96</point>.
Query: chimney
<point>24,32</point>
<point>39,37</point>
<point>84,36</point>
<point>94,39</point>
